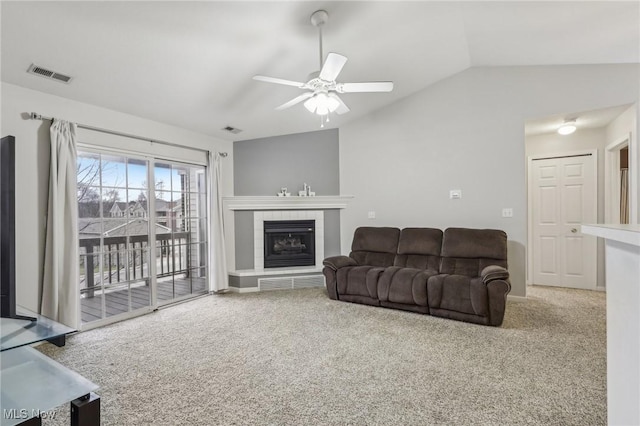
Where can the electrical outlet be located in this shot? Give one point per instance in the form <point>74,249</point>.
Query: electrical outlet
<point>371,215</point>
<point>507,212</point>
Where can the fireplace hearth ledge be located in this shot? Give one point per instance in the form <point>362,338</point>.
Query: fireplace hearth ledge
<point>295,277</point>
<point>276,271</point>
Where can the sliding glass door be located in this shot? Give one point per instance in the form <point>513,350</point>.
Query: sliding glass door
<point>141,245</point>
<point>181,224</point>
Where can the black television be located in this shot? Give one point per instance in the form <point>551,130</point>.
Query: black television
<point>8,230</point>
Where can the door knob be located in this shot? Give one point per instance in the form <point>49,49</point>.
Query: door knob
<point>574,230</point>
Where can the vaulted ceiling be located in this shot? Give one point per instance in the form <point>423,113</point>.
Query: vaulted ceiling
<point>190,64</point>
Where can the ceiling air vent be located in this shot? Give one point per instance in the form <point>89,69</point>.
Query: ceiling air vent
<point>232,130</point>
<point>43,72</point>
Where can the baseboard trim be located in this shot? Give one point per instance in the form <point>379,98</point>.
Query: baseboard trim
<point>601,288</point>
<point>516,298</point>
<point>244,289</point>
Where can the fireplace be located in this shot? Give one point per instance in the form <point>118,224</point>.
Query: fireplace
<point>289,243</point>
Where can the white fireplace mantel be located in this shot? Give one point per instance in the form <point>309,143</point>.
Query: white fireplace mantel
<point>324,202</point>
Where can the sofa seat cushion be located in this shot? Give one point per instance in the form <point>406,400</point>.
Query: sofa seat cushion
<point>407,286</point>
<point>358,281</point>
<point>458,293</point>
<point>468,267</point>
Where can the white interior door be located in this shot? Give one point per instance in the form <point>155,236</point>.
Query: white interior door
<point>564,197</point>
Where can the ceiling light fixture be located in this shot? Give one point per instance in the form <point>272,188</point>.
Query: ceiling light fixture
<point>322,103</point>
<point>568,127</point>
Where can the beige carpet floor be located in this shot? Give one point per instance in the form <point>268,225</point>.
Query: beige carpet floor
<point>295,357</point>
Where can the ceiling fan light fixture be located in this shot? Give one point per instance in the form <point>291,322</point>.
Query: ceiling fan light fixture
<point>568,127</point>
<point>322,110</point>
<point>321,96</point>
<point>321,104</point>
<point>311,104</point>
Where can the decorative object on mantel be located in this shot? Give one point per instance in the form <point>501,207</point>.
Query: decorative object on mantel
<point>306,192</point>
<point>283,192</point>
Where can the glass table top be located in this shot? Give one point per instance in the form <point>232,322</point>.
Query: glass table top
<point>15,332</point>
<point>33,384</point>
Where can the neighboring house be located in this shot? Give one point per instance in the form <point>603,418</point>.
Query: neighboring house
<point>116,211</point>
<point>123,219</point>
<point>94,228</point>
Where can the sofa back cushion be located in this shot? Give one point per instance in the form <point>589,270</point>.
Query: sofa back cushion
<point>469,251</point>
<point>419,248</point>
<point>375,246</point>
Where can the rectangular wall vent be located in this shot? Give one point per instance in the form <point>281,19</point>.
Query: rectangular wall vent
<point>230,129</point>
<point>274,283</point>
<point>43,72</point>
<point>280,283</point>
<point>308,281</point>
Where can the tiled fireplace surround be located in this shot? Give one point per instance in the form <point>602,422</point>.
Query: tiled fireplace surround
<point>258,231</point>
<point>280,208</point>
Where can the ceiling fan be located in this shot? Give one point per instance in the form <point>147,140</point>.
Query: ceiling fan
<point>321,95</point>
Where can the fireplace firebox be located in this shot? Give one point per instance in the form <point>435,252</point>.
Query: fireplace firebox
<point>289,243</point>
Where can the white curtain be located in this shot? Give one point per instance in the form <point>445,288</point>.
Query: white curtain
<point>60,292</point>
<point>624,195</point>
<point>219,280</point>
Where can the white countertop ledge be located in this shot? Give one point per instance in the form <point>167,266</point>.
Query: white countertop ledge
<point>629,234</point>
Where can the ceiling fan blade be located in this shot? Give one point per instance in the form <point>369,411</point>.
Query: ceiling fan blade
<point>342,108</point>
<point>296,100</point>
<point>371,86</point>
<point>278,81</point>
<point>332,66</point>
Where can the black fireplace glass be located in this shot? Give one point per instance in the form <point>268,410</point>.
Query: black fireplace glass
<point>289,243</point>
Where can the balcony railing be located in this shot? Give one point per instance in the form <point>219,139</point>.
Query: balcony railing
<point>125,258</point>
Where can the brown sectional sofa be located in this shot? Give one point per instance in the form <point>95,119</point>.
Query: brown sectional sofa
<point>459,273</point>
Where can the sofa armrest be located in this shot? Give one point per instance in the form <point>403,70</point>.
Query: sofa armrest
<point>494,272</point>
<point>337,262</point>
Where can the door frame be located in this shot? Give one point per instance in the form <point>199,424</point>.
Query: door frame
<point>593,153</point>
<point>612,180</point>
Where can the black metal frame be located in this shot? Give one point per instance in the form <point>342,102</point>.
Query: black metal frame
<point>8,231</point>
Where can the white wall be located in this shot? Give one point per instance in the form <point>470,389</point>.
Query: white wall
<point>581,140</point>
<point>32,165</point>
<point>466,132</point>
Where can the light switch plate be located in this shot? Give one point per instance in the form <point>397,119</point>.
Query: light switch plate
<point>455,194</point>
<point>507,212</point>
<point>371,215</point>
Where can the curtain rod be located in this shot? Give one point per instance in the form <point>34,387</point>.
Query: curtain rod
<point>36,116</point>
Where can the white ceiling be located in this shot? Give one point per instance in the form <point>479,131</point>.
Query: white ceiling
<point>190,64</point>
<point>584,120</point>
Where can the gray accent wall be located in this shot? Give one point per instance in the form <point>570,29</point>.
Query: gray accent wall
<point>244,239</point>
<point>263,166</point>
